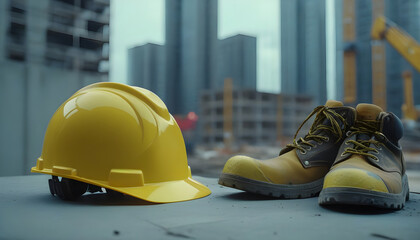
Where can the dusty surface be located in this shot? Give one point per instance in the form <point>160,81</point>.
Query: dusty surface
<point>28,211</point>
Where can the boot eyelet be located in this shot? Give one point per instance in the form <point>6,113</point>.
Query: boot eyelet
<point>378,147</point>
<point>343,154</point>
<point>327,139</point>
<point>303,152</point>
<point>309,149</point>
<point>381,135</point>
<point>347,143</point>
<point>348,133</point>
<point>376,159</point>
<point>306,163</point>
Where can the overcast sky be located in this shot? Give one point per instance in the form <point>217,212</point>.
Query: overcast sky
<point>136,22</point>
<point>133,22</point>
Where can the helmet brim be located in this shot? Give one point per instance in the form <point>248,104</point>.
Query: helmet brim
<point>162,192</point>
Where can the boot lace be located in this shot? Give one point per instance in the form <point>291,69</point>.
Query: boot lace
<point>322,113</point>
<point>363,147</point>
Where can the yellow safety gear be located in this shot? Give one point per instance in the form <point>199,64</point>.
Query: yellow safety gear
<point>120,138</point>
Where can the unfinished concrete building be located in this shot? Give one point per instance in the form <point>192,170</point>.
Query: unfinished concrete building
<point>48,50</point>
<point>257,117</point>
<point>68,34</point>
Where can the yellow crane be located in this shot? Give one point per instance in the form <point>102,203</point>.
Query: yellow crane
<point>409,48</point>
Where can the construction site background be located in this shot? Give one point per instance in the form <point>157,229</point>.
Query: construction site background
<point>51,48</point>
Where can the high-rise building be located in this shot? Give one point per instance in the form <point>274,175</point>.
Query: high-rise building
<point>406,14</point>
<point>237,59</point>
<point>146,68</point>
<point>363,51</point>
<point>191,51</point>
<point>303,50</point>
<point>48,50</point>
<point>339,50</point>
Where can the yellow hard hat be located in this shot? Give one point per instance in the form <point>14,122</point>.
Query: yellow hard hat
<point>121,138</point>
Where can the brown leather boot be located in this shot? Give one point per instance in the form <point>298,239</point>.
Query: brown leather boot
<point>299,170</point>
<point>369,169</point>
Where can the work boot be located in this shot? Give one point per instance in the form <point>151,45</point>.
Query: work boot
<point>299,170</point>
<point>369,168</point>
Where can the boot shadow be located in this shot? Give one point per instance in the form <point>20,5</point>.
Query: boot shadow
<point>358,209</point>
<point>247,196</point>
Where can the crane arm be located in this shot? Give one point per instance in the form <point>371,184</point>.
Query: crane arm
<point>405,44</point>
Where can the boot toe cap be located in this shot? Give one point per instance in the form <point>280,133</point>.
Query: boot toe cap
<point>246,167</point>
<point>354,178</point>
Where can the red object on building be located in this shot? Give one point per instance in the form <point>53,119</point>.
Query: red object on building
<point>187,122</point>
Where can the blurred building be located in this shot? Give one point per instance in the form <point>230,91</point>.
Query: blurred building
<point>146,68</point>
<point>361,14</point>
<point>48,50</point>
<point>406,14</point>
<point>258,118</point>
<point>303,50</point>
<point>191,51</point>
<point>237,59</point>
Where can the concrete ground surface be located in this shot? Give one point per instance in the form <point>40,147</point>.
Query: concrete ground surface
<point>28,211</point>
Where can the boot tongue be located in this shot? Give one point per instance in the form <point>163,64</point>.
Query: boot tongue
<point>333,103</point>
<point>367,111</point>
<point>326,122</point>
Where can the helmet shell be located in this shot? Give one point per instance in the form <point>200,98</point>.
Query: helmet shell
<point>121,138</point>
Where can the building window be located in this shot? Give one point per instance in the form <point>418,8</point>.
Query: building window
<point>59,38</point>
<point>94,26</point>
<point>248,124</point>
<point>70,2</point>
<point>91,44</point>
<point>16,42</point>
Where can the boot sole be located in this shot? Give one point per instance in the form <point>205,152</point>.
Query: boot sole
<point>362,197</point>
<point>270,189</point>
